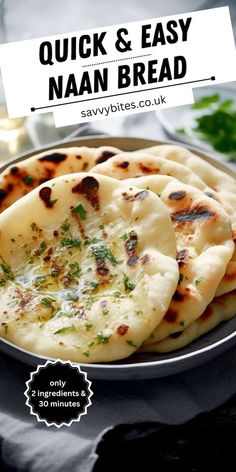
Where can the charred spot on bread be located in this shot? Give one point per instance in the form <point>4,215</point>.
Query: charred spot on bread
<point>171,316</point>
<point>101,267</point>
<point>177,195</point>
<point>196,214</point>
<point>128,197</point>
<point>141,195</point>
<point>123,164</point>
<point>206,314</point>
<point>122,329</point>
<point>14,170</point>
<point>176,335</point>
<point>145,259</point>
<point>178,296</point>
<point>3,194</point>
<point>105,156</point>
<point>132,261</point>
<point>45,195</point>
<point>148,168</point>
<point>181,257</point>
<point>10,187</point>
<point>89,188</point>
<point>210,195</point>
<point>55,157</point>
<point>182,294</point>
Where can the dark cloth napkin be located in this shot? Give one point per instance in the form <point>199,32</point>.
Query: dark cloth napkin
<point>29,446</point>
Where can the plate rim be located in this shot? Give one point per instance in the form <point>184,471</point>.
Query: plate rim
<point>142,364</point>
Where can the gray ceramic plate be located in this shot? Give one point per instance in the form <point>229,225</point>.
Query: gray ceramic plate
<point>140,366</point>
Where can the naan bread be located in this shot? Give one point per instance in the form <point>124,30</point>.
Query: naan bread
<point>204,246</point>
<point>224,187</point>
<point>220,309</point>
<point>87,267</point>
<point>213,177</point>
<point>19,179</point>
<point>136,164</point>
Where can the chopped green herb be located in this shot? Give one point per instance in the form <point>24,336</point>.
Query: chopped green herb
<point>138,312</point>
<point>75,267</point>
<point>117,294</point>
<point>204,102</point>
<point>101,252</point>
<point>34,227</point>
<point>65,226</point>
<point>102,339</point>
<point>93,285</point>
<point>218,124</point>
<point>89,302</point>
<point>70,243</point>
<point>51,203</point>
<point>2,282</point>
<point>81,211</point>
<point>131,343</point>
<point>47,302</point>
<point>68,314</point>
<point>41,250</point>
<point>65,329</point>
<point>162,274</point>
<point>6,269</point>
<point>39,280</point>
<point>101,227</point>
<point>72,297</point>
<point>131,242</point>
<point>85,165</point>
<point>88,241</point>
<point>182,323</point>
<point>129,286</point>
<point>91,344</point>
<point>198,281</point>
<point>105,312</point>
<point>88,325</point>
<point>86,354</point>
<point>28,179</point>
<point>124,237</point>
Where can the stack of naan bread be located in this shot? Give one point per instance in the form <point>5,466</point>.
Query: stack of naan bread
<point>104,253</point>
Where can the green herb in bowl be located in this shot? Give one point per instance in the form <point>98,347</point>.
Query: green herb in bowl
<point>217,125</point>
